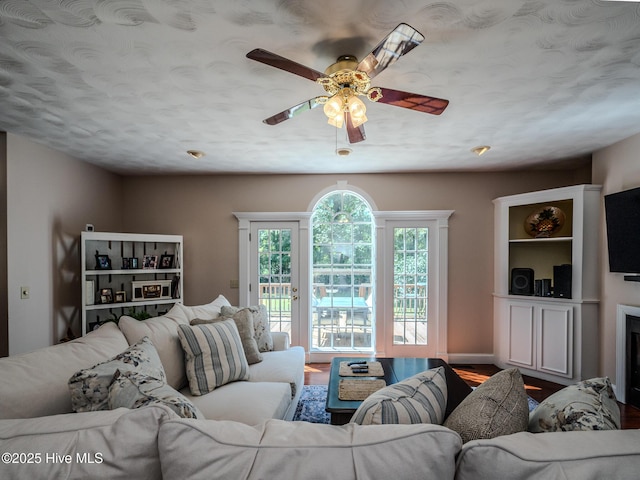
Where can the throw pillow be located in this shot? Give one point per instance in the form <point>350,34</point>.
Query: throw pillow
<point>213,355</point>
<point>90,386</point>
<point>208,311</point>
<point>244,321</point>
<point>163,332</point>
<point>587,405</point>
<point>262,333</point>
<point>418,399</point>
<point>133,390</point>
<point>497,407</point>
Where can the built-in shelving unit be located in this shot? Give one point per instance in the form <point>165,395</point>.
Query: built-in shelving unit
<point>113,284</point>
<point>546,336</point>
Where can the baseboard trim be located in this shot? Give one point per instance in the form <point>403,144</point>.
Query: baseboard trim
<point>461,358</point>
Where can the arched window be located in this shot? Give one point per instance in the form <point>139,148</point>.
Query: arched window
<point>343,246</point>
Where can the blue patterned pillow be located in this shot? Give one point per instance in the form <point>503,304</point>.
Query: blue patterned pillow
<point>90,387</point>
<point>214,355</point>
<point>133,390</point>
<point>418,399</point>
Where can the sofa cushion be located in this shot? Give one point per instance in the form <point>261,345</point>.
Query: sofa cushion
<point>42,375</point>
<point>133,390</point>
<point>244,321</point>
<point>207,311</point>
<point>587,405</point>
<point>280,449</point>
<point>260,324</point>
<point>245,402</point>
<point>421,398</point>
<point>280,366</point>
<point>498,406</point>
<point>213,355</point>
<point>90,386</point>
<point>163,333</point>
<point>590,455</point>
<point>114,444</point>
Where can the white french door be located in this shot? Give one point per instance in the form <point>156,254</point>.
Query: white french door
<point>274,274</point>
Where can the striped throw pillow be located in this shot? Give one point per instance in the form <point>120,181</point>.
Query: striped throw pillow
<point>418,399</point>
<point>213,355</point>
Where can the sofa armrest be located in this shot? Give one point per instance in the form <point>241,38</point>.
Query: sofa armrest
<point>280,340</point>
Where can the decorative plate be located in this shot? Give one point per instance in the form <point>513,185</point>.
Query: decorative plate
<point>545,222</point>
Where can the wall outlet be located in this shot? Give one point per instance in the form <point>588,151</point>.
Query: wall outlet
<point>24,293</point>
<point>234,283</point>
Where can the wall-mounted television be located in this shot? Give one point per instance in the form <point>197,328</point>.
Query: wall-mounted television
<point>622,211</point>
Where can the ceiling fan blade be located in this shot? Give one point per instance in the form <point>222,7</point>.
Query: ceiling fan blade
<point>292,112</point>
<point>400,41</point>
<point>355,134</point>
<point>413,101</point>
<point>268,58</point>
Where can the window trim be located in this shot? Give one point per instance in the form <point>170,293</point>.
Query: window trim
<point>383,265</point>
<point>439,243</point>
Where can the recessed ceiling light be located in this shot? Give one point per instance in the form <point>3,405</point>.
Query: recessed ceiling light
<point>481,150</point>
<point>343,152</point>
<point>196,154</point>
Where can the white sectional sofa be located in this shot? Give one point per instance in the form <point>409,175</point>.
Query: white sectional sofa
<point>245,434</point>
<point>41,377</point>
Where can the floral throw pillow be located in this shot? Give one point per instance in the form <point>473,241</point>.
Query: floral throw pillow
<point>587,405</point>
<point>90,387</point>
<point>133,390</point>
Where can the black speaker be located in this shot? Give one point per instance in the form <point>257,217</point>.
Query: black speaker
<point>562,281</point>
<point>522,281</point>
<point>542,287</point>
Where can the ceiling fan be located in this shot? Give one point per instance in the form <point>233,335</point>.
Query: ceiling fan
<point>347,79</point>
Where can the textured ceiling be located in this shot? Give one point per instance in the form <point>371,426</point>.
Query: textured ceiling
<point>132,84</point>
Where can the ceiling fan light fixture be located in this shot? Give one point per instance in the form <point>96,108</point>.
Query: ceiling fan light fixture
<point>334,107</point>
<point>343,152</point>
<point>357,109</point>
<point>336,121</point>
<point>481,150</point>
<point>197,154</point>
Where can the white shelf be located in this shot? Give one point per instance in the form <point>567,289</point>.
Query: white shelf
<point>548,337</point>
<point>541,240</point>
<point>131,271</point>
<point>126,245</point>
<point>107,306</point>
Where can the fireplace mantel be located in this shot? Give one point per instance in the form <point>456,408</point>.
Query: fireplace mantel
<point>621,334</point>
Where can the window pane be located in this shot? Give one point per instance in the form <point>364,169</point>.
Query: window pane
<point>410,286</point>
<point>343,256</point>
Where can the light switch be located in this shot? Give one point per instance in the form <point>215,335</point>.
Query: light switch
<point>24,293</point>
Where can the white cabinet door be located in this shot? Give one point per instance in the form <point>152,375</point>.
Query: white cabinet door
<point>521,334</point>
<point>555,339</point>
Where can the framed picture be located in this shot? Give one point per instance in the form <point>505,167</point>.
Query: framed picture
<point>121,296</point>
<point>150,290</point>
<point>150,262</point>
<point>126,263</point>
<point>103,262</point>
<point>106,295</point>
<point>166,261</point>
<point>133,262</point>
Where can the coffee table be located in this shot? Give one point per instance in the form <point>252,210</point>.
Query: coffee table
<point>395,370</point>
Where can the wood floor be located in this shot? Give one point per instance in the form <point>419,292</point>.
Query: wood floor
<point>318,374</point>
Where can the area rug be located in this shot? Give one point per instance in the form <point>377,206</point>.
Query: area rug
<point>313,400</point>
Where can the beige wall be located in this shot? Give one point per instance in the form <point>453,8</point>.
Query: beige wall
<point>616,168</point>
<point>50,198</point>
<point>200,208</point>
